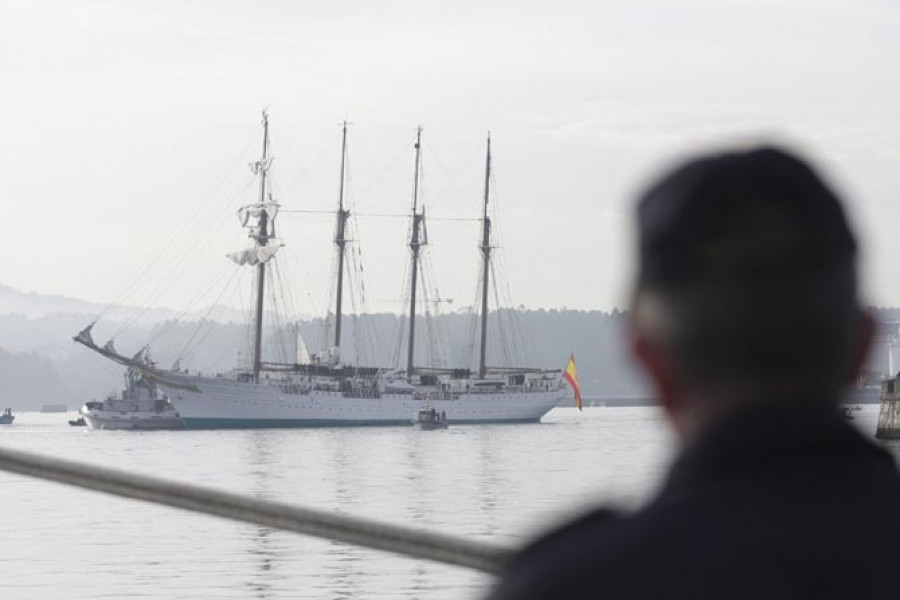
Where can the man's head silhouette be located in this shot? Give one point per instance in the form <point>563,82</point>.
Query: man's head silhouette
<point>746,292</point>
<point>745,315</point>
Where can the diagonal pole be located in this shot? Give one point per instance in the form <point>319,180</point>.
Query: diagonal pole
<point>407,542</point>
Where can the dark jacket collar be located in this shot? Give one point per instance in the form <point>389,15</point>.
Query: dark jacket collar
<point>769,438</point>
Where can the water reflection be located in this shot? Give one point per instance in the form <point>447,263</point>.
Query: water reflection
<point>489,481</point>
<point>416,477</point>
<point>432,493</point>
<point>345,570</point>
<point>264,552</point>
<point>263,556</point>
<point>345,566</point>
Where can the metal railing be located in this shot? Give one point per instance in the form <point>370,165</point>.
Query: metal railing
<point>404,541</point>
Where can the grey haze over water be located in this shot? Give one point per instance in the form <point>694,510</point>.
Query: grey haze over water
<point>40,364</point>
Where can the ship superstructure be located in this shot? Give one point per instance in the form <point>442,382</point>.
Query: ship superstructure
<point>140,406</point>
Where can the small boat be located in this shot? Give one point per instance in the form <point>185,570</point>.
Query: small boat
<point>847,412</point>
<point>7,417</point>
<point>79,422</point>
<point>430,419</point>
<point>139,407</point>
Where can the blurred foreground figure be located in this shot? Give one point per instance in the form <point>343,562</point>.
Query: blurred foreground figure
<point>745,315</point>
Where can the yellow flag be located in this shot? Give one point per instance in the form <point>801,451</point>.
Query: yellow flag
<point>571,375</point>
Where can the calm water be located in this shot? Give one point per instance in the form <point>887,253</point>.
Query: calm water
<point>498,483</point>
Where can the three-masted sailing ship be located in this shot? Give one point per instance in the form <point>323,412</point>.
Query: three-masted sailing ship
<point>327,392</point>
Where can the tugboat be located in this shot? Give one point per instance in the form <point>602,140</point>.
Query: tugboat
<point>7,417</point>
<point>139,407</point>
<point>430,419</point>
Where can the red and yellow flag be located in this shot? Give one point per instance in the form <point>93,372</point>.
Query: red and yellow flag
<point>571,375</point>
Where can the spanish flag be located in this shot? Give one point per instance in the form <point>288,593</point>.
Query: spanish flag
<point>571,375</point>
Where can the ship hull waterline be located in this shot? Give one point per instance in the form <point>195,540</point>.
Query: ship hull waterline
<point>218,403</point>
<point>143,423</point>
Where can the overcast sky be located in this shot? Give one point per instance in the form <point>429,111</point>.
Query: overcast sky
<point>120,120</point>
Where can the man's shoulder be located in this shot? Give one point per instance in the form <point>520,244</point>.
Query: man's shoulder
<point>607,528</point>
<point>566,561</point>
<point>570,535</point>
<point>718,530</point>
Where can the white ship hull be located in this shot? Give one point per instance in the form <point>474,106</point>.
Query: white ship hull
<point>221,403</point>
<point>132,421</point>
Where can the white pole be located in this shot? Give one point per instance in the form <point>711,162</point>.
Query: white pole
<point>890,349</point>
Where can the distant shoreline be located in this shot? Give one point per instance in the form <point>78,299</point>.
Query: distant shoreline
<point>612,401</point>
<point>851,398</point>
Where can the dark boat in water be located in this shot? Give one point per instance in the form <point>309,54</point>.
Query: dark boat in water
<point>79,422</point>
<point>7,417</point>
<point>431,419</point>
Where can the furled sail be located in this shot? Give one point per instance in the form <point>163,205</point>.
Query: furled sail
<point>261,165</point>
<point>255,255</point>
<point>256,211</point>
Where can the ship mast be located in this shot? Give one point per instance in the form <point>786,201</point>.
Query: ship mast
<point>261,240</point>
<point>486,261</point>
<point>340,241</point>
<point>415,244</point>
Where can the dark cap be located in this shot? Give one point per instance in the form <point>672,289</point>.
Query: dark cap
<point>739,216</point>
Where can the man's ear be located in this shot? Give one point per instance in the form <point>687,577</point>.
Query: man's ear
<point>671,393</point>
<point>864,334</point>
<point>653,359</point>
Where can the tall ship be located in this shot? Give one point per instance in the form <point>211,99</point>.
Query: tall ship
<point>324,391</point>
